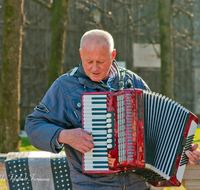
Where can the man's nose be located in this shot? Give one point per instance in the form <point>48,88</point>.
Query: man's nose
<point>95,66</point>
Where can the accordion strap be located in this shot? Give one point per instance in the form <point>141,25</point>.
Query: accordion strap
<point>121,79</point>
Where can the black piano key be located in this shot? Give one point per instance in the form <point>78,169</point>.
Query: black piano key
<point>99,135</point>
<point>99,109</point>
<point>99,113</point>
<point>99,151</point>
<point>99,98</point>
<point>99,102</point>
<point>99,129</point>
<point>97,120</point>
<point>100,162</point>
<point>100,166</point>
<point>100,146</point>
<point>100,139</point>
<point>100,155</point>
<point>99,124</point>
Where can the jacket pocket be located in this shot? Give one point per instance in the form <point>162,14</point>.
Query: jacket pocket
<point>76,109</point>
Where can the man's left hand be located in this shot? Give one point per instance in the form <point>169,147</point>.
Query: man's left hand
<point>193,154</point>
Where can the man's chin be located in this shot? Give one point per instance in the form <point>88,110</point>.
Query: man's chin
<point>96,79</point>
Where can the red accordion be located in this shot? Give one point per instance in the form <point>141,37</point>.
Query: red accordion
<point>138,130</point>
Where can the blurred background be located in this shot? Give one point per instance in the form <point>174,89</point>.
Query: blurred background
<point>39,41</point>
<point>134,25</point>
<point>159,40</point>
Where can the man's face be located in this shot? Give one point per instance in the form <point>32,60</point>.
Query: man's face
<point>96,60</point>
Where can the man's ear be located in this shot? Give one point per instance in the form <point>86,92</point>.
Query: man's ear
<point>80,53</point>
<point>113,54</point>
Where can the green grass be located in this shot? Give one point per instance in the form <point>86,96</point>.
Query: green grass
<point>26,145</point>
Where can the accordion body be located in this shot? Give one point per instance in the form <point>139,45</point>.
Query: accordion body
<point>138,130</point>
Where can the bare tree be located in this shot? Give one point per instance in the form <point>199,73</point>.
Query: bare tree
<point>166,47</point>
<point>59,13</point>
<point>10,76</point>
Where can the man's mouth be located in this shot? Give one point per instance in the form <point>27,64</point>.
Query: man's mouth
<point>95,74</point>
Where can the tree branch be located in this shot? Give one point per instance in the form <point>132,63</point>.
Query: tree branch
<point>183,11</point>
<point>43,4</point>
<point>134,23</point>
<point>137,3</point>
<point>39,20</point>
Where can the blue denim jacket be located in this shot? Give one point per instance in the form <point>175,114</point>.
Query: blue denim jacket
<point>61,109</point>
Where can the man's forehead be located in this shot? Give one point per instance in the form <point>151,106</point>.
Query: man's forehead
<point>97,44</point>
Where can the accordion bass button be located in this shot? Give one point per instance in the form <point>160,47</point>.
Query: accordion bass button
<point>109,130</point>
<point>109,146</point>
<point>108,120</point>
<point>109,140</point>
<point>109,125</point>
<point>108,115</point>
<point>109,135</point>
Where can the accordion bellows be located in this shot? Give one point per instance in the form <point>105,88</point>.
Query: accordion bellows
<point>138,130</point>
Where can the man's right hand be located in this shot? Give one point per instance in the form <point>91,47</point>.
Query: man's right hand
<point>77,138</point>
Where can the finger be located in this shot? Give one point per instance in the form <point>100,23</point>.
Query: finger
<point>85,149</point>
<point>193,156</point>
<point>89,144</point>
<point>89,138</point>
<point>191,162</point>
<point>196,152</point>
<point>194,147</point>
<point>89,133</point>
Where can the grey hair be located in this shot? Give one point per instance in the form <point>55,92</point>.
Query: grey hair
<point>95,35</point>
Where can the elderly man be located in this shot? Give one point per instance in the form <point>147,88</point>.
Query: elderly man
<point>56,121</point>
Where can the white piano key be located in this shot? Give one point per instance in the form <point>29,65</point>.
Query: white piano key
<point>88,96</point>
<point>91,106</point>
<point>89,117</point>
<point>97,148</point>
<point>100,143</point>
<point>95,158</point>
<point>92,154</point>
<point>94,122</point>
<point>95,169</point>
<point>90,102</point>
<point>95,131</point>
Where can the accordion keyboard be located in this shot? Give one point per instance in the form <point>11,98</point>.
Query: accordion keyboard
<point>98,121</point>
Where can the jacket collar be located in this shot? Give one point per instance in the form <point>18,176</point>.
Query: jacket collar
<point>91,85</point>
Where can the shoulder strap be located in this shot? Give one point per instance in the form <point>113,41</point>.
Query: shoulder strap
<point>122,76</point>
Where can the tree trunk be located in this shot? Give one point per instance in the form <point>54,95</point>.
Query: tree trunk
<point>10,76</point>
<point>166,45</point>
<point>59,12</point>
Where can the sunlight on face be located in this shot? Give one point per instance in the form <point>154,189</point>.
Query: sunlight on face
<point>96,60</point>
